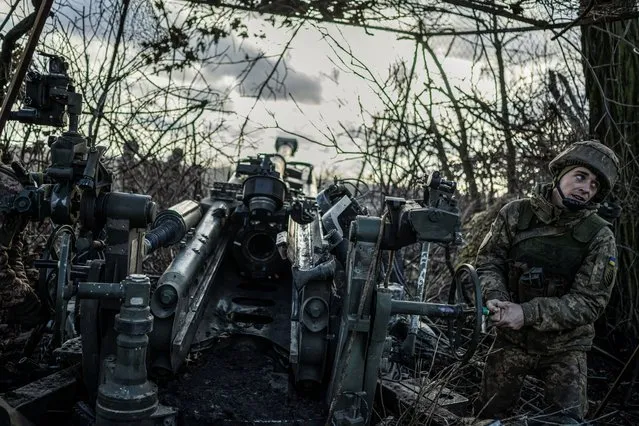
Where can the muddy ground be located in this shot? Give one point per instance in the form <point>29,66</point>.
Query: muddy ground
<point>242,381</point>
<point>239,381</point>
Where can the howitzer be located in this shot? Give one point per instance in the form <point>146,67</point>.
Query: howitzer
<point>234,244</point>
<point>264,255</point>
<point>257,257</point>
<point>268,261</point>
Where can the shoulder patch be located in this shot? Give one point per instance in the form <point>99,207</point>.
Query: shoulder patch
<point>610,271</point>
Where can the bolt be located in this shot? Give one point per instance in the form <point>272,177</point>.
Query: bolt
<point>354,412</point>
<point>23,204</point>
<point>434,216</point>
<point>315,308</point>
<point>168,296</point>
<point>138,278</point>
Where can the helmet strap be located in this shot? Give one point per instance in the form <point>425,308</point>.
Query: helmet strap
<point>570,204</point>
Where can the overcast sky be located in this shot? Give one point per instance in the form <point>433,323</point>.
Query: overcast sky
<point>319,95</point>
<point>325,93</point>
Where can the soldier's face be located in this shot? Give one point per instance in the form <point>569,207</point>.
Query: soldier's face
<point>579,184</point>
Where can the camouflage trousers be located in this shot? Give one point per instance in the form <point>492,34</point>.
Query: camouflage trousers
<point>564,376</point>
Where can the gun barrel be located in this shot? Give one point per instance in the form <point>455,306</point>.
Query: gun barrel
<point>180,275</point>
<point>171,225</point>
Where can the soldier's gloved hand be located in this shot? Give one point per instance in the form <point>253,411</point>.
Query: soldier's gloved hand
<point>495,312</point>
<point>512,315</point>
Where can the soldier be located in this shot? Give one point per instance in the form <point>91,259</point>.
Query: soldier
<point>547,268</point>
<point>19,304</point>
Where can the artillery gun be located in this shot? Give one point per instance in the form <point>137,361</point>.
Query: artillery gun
<point>264,255</point>
<point>97,234</point>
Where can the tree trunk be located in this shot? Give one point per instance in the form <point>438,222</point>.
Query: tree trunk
<point>611,65</point>
<point>511,151</point>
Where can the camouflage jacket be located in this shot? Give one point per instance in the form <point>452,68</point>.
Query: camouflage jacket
<point>17,298</point>
<point>9,186</point>
<point>551,324</point>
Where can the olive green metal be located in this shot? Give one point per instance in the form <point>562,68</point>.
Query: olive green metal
<point>439,310</point>
<point>377,341</point>
<point>367,228</point>
<point>347,378</point>
<point>127,396</point>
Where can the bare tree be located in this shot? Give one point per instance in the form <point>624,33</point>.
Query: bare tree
<point>611,67</point>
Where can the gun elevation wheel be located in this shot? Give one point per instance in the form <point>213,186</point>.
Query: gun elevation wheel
<point>464,331</point>
<point>55,283</point>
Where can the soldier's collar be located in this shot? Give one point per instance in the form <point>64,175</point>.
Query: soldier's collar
<point>548,213</point>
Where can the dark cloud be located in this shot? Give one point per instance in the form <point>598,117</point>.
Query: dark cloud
<point>239,60</point>
<point>253,70</point>
<point>301,87</point>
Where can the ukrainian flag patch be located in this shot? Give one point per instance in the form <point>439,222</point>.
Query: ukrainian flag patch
<point>610,270</point>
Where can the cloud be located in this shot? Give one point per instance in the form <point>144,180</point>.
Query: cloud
<point>301,87</point>
<point>255,72</point>
<point>240,61</point>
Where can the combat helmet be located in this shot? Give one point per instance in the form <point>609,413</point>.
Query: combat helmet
<point>594,155</point>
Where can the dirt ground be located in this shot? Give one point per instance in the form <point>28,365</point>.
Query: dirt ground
<point>238,381</point>
<point>243,381</point>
